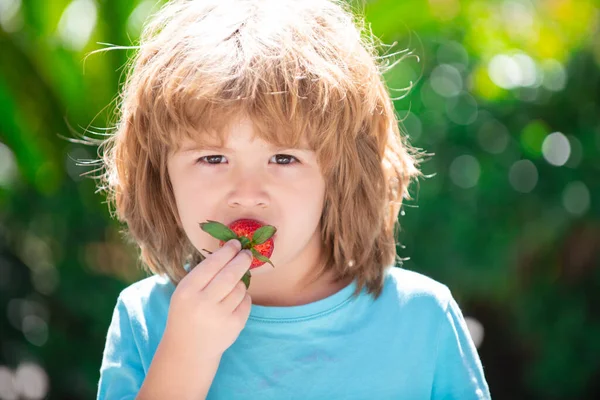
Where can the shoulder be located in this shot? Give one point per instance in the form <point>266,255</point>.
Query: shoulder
<point>410,287</point>
<point>146,297</point>
<point>149,289</point>
<point>136,328</point>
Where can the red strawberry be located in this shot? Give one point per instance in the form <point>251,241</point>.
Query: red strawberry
<point>253,235</point>
<point>246,228</point>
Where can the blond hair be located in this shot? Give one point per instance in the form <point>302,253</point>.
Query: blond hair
<point>296,69</point>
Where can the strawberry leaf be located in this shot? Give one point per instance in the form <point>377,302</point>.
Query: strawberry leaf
<point>262,258</point>
<point>246,279</point>
<point>218,230</point>
<point>263,234</point>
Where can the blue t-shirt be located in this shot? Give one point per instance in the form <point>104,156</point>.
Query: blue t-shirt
<point>411,343</point>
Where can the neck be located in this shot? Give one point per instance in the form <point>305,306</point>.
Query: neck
<point>290,285</point>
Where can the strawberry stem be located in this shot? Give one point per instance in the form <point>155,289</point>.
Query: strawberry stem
<point>246,243</point>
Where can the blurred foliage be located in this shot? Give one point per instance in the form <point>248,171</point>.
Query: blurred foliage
<point>506,94</point>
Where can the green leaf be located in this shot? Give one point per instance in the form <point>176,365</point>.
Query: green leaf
<point>246,279</point>
<point>263,234</point>
<point>261,257</point>
<point>218,230</point>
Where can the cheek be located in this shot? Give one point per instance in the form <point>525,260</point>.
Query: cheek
<point>187,187</point>
<point>305,204</point>
<point>191,195</point>
<point>185,200</point>
<point>312,190</point>
<point>189,202</point>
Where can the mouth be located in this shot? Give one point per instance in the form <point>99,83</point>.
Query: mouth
<point>253,234</point>
<point>261,222</point>
<point>252,220</point>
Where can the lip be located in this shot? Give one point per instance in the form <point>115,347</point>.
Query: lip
<point>249,218</point>
<point>263,223</point>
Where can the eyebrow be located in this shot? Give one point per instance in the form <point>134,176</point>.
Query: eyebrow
<point>218,148</point>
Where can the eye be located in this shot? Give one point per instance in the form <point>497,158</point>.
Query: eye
<point>286,157</point>
<point>210,160</point>
<point>217,159</point>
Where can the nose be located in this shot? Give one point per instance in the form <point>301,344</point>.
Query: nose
<point>248,191</point>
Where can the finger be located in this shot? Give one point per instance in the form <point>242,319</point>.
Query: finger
<point>233,299</point>
<point>243,310</point>
<point>205,271</point>
<point>224,282</point>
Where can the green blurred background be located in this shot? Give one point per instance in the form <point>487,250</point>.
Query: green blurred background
<point>506,94</point>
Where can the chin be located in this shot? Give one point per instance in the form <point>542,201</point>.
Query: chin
<point>263,269</point>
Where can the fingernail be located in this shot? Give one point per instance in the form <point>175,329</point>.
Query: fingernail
<point>236,244</point>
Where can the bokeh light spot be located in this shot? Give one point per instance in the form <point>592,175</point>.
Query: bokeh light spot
<point>523,176</point>
<point>446,80</point>
<point>475,330</point>
<point>504,71</point>
<point>462,109</point>
<point>576,152</point>
<point>138,16</point>
<point>8,391</point>
<point>576,198</point>
<point>518,19</point>
<point>555,76</point>
<point>31,381</point>
<point>493,136</point>
<point>465,171</point>
<point>77,23</point>
<point>35,330</point>
<point>527,68</point>
<point>11,19</point>
<point>45,280</point>
<point>512,71</point>
<point>556,149</point>
<point>8,166</point>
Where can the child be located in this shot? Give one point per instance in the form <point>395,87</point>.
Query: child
<point>273,110</point>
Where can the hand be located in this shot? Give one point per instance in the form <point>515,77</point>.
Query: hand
<point>210,305</point>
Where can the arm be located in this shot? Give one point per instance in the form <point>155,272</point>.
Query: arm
<point>173,373</point>
<point>458,369</point>
<point>121,371</point>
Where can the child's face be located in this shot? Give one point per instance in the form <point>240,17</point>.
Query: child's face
<point>281,187</point>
